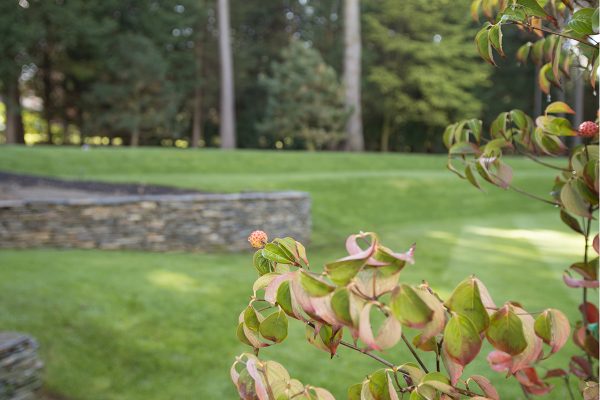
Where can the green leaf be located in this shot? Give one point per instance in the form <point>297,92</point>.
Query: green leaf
<point>484,47</point>
<point>340,304</point>
<point>277,254</point>
<point>284,298</point>
<point>262,265</point>
<point>537,52</point>
<point>498,127</point>
<point>378,385</point>
<point>466,300</point>
<point>519,118</point>
<point>241,335</point>
<point>505,332</point>
<point>409,308</point>
<point>581,21</point>
<point>475,125</point>
<point>461,339</point>
<point>553,328</point>
<point>523,53</point>
<point>513,14</point>
<point>570,221</point>
<point>595,18</point>
<point>251,319</point>
<point>495,37</point>
<point>313,285</point>
<point>559,107</point>
<point>354,391</point>
<point>342,271</point>
<point>435,382</point>
<point>471,176</point>
<point>274,327</point>
<point>556,60</point>
<point>572,200</point>
<point>532,7</point>
<point>543,80</point>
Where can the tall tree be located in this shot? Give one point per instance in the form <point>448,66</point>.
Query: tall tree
<point>17,38</point>
<point>227,105</point>
<point>305,104</point>
<point>132,95</point>
<point>352,74</point>
<point>419,57</point>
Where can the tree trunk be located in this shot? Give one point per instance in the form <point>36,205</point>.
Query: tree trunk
<point>197,117</point>
<point>578,103</point>
<point>135,137</point>
<point>47,93</point>
<point>14,121</point>
<point>227,112</point>
<point>352,74</point>
<point>386,132</point>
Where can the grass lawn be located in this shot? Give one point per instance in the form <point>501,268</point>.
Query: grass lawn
<point>133,325</point>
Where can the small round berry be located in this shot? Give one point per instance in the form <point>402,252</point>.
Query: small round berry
<point>588,129</point>
<point>258,239</point>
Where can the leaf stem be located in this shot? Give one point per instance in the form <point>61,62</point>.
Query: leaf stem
<point>568,385</point>
<point>414,353</point>
<point>373,356</point>
<point>533,196</point>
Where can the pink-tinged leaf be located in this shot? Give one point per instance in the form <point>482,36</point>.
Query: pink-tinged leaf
<point>261,390</point>
<point>391,389</point>
<point>591,312</point>
<point>552,326</point>
<point>595,244</point>
<point>530,381</point>
<point>358,252</point>
<point>556,373</point>
<point>300,297</point>
<point>461,339</point>
<point>438,320</point>
<point>559,107</point>
<point>579,283</point>
<point>486,299</point>
<point>322,307</point>
<point>580,367</point>
<point>253,338</point>
<point>374,282</point>
<point>533,350</point>
<point>503,175</point>
<point>234,374</point>
<point>499,361</point>
<point>323,394</point>
<point>453,368</point>
<point>271,290</point>
<point>486,386</point>
<point>389,332</point>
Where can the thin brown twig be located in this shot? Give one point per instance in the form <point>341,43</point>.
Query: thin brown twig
<point>414,353</point>
<point>552,32</point>
<point>533,196</point>
<point>373,356</point>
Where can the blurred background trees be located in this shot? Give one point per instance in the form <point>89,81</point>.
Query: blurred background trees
<point>148,72</point>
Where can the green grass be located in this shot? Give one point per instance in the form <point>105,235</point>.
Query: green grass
<point>133,325</point>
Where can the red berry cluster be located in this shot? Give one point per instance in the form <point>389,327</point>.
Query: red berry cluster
<point>588,129</point>
<point>258,239</point>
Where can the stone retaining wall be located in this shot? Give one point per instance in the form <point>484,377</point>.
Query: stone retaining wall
<point>190,222</point>
<point>20,367</point>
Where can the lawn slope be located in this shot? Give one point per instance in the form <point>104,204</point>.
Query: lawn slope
<point>134,325</point>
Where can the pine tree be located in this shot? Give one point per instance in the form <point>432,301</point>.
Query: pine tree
<point>424,69</point>
<point>305,101</point>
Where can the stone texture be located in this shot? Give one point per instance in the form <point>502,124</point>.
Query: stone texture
<point>20,367</point>
<point>188,222</point>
